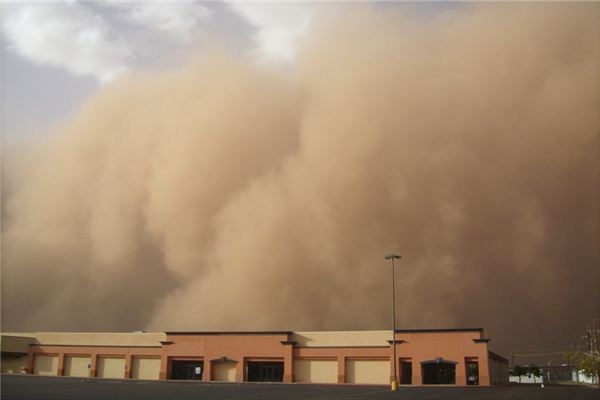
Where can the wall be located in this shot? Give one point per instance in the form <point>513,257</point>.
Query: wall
<point>16,344</point>
<point>100,339</point>
<point>342,338</point>
<point>498,369</point>
<point>451,345</point>
<point>94,352</point>
<point>415,346</point>
<point>235,347</point>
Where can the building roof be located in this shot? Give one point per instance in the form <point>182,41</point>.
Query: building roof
<point>433,330</point>
<point>229,333</point>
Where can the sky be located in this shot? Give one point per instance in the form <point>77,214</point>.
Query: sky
<point>256,160</point>
<point>55,54</point>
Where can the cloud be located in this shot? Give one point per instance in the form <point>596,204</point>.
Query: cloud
<point>101,39</point>
<point>174,18</point>
<point>104,39</point>
<point>279,25</point>
<point>66,35</point>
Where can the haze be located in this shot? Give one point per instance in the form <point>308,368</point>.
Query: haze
<point>231,194</point>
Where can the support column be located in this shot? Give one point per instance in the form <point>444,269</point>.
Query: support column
<point>61,364</point>
<point>93,364</point>
<point>128,366</point>
<point>239,369</point>
<point>30,361</point>
<point>206,374</point>
<point>484,370</point>
<point>341,360</point>
<point>416,373</point>
<point>164,366</point>
<point>288,362</point>
<point>461,373</point>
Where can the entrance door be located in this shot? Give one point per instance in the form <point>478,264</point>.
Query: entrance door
<point>264,371</point>
<point>439,373</point>
<point>187,369</point>
<point>406,373</point>
<point>472,373</point>
<point>224,371</point>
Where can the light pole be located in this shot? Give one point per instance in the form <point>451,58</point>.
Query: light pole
<point>394,383</point>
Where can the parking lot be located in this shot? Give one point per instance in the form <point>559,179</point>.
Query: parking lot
<point>18,387</point>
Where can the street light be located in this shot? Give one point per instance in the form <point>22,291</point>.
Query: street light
<point>394,383</point>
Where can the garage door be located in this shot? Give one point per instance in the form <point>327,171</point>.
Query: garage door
<point>77,366</point>
<point>224,371</point>
<point>45,365</point>
<point>111,367</point>
<point>316,371</point>
<point>368,371</point>
<point>145,368</point>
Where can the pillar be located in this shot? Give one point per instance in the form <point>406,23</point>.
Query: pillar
<point>341,360</point>
<point>128,366</point>
<point>61,364</point>
<point>416,373</point>
<point>93,365</point>
<point>288,362</point>
<point>461,372</point>
<point>484,370</point>
<point>164,366</point>
<point>239,370</point>
<point>206,374</point>
<point>30,360</point>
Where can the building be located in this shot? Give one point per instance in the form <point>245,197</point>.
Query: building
<point>424,357</point>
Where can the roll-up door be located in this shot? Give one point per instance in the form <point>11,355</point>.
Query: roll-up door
<point>145,368</point>
<point>45,365</point>
<point>111,367</point>
<point>224,371</point>
<point>77,366</point>
<point>368,371</point>
<point>316,371</point>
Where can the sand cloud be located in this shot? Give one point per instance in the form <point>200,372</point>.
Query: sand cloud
<point>227,195</point>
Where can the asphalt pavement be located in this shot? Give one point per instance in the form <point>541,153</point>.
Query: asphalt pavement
<point>27,387</point>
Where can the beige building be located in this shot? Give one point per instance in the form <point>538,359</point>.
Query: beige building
<point>424,357</point>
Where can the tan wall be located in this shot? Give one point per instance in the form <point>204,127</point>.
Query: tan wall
<point>342,338</point>
<point>77,366</point>
<point>100,339</point>
<point>368,371</point>
<point>13,365</point>
<point>316,371</point>
<point>111,367</point>
<point>224,371</point>
<point>45,365</point>
<point>145,368</point>
<point>16,344</point>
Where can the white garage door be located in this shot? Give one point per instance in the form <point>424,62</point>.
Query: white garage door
<point>145,368</point>
<point>77,366</point>
<point>368,371</point>
<point>111,367</point>
<point>224,371</point>
<point>316,371</point>
<point>45,365</point>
